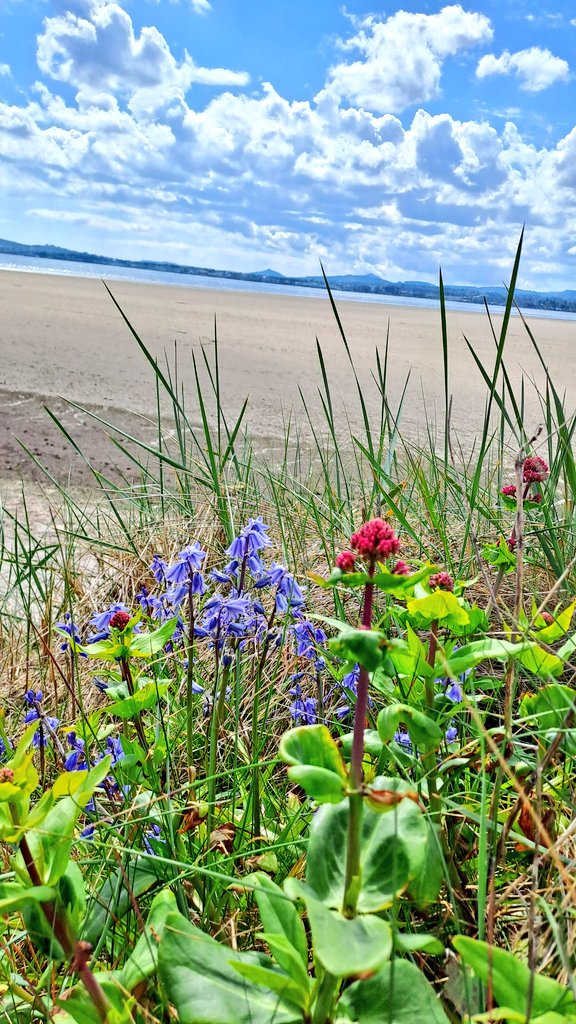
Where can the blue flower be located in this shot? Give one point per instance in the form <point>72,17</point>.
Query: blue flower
<point>454,693</point>
<point>308,638</point>
<point>189,562</point>
<point>252,539</point>
<point>67,626</point>
<point>101,620</point>
<point>303,709</point>
<point>42,735</point>
<point>402,737</point>
<point>5,746</point>
<point>451,733</point>
<point>76,759</point>
<point>158,568</point>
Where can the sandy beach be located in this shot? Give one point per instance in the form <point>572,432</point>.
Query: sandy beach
<point>62,339</point>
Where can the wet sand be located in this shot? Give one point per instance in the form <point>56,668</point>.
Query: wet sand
<point>63,340</point>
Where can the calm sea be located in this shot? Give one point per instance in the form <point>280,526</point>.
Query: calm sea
<point>70,268</point>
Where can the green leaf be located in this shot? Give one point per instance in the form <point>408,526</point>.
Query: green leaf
<point>345,946</point>
<point>279,916</point>
<point>397,994</point>
<point>384,580</point>
<point>146,645</point>
<point>143,960</point>
<point>365,647</point>
<point>13,895</point>
<point>424,733</point>
<point>275,981</point>
<point>441,606</point>
<point>393,850</point>
<point>81,1008</point>
<point>425,887</point>
<point>114,898</point>
<point>146,697</point>
<point>315,762</point>
<point>204,987</point>
<point>512,979</point>
<point>405,942</point>
<point>289,959</point>
<point>556,629</point>
<point>548,710</point>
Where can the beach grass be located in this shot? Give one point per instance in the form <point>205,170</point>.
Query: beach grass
<point>195,799</point>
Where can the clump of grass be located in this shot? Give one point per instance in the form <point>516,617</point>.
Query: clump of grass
<point>205,577</point>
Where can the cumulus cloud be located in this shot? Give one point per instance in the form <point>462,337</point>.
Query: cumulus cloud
<point>5,70</point>
<point>535,68</point>
<point>102,52</point>
<point>401,58</point>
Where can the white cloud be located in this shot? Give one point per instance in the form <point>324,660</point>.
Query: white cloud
<point>401,57</point>
<point>201,6</point>
<point>535,68</point>
<point>101,52</point>
<point>5,70</point>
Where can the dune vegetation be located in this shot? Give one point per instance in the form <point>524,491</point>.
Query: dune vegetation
<point>296,741</point>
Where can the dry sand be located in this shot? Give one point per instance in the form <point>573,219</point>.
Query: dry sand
<point>61,338</point>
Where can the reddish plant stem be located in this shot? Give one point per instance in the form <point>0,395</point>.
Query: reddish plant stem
<point>429,760</point>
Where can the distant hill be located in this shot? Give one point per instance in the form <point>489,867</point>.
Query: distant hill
<point>370,283</point>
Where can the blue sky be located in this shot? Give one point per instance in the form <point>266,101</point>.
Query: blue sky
<point>246,134</point>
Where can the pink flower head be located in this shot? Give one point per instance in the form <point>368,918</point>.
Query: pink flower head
<point>119,620</point>
<point>509,491</point>
<point>346,561</point>
<point>548,618</point>
<point>535,498</point>
<point>535,470</point>
<point>401,569</point>
<point>375,540</point>
<point>441,581</point>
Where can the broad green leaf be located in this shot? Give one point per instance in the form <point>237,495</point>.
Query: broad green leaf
<point>81,1009</point>
<point>372,743</point>
<point>397,994</point>
<point>425,887</point>
<point>556,629</point>
<point>279,915</point>
<point>393,850</point>
<point>289,959</point>
<point>442,606</point>
<point>203,986</point>
<point>512,979</point>
<point>146,697</point>
<point>345,946</point>
<point>114,899</point>
<point>540,662</point>
<point>548,710</point>
<point>315,762</point>
<point>408,661</point>
<point>146,645</point>
<point>366,647</point>
<point>273,980</point>
<point>411,942</point>
<point>424,733</point>
<point>384,580</point>
<point>143,960</point>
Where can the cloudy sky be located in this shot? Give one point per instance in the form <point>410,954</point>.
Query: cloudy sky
<point>246,134</point>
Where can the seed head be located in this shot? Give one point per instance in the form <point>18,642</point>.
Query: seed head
<point>346,561</point>
<point>441,581</point>
<point>548,618</point>
<point>119,620</point>
<point>375,540</point>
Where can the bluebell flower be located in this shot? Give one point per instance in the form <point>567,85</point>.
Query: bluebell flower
<point>76,759</point>
<point>451,733</point>
<point>100,684</point>
<point>253,538</point>
<point>42,735</point>
<point>113,746</point>
<point>454,693</point>
<point>303,709</point>
<point>158,568</point>
<point>87,833</point>
<point>178,592</point>
<point>220,577</point>
<point>68,626</point>
<point>308,638</point>
<point>189,562</point>
<point>5,746</point>
<point>402,737</point>
<point>150,604</point>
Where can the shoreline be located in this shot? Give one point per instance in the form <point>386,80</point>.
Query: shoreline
<point>63,340</point>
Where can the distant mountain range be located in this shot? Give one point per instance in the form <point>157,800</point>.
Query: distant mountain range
<point>366,283</point>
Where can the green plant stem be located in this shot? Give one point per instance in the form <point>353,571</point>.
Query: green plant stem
<point>127,677</point>
<point>324,1008</point>
<point>429,759</point>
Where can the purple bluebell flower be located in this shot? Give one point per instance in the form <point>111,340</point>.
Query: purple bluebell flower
<point>308,637</point>
<point>5,746</point>
<point>403,739</point>
<point>303,709</point>
<point>87,833</point>
<point>253,538</point>
<point>158,568</point>
<point>189,562</point>
<point>76,760</point>
<point>153,833</point>
<point>68,626</point>
<point>451,733</point>
<point>193,584</point>
<point>47,724</point>
<point>454,693</point>
<point>150,604</point>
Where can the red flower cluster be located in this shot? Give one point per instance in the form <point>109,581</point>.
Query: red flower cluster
<point>535,470</point>
<point>119,620</point>
<point>346,561</point>
<point>401,569</point>
<point>512,543</point>
<point>441,581</point>
<point>375,540</point>
<point>509,491</point>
